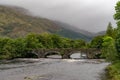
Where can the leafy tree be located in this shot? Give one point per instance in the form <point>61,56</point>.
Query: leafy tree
<point>108,49</point>
<point>97,42</point>
<point>57,41</point>
<point>20,47</point>
<point>50,40</point>
<point>5,48</point>
<point>46,40</point>
<point>117,14</point>
<point>66,43</point>
<point>79,44</point>
<point>117,18</point>
<point>31,42</point>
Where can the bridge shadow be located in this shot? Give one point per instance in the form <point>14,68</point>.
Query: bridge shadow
<point>31,55</point>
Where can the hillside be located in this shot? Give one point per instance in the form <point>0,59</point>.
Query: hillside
<point>75,29</point>
<point>101,33</point>
<point>71,32</point>
<point>76,32</point>
<point>17,22</point>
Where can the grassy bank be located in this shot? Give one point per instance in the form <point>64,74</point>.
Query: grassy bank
<point>113,71</point>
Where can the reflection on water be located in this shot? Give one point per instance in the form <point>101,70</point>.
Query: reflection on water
<point>55,56</point>
<point>52,69</point>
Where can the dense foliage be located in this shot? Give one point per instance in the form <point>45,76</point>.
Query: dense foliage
<point>14,48</point>
<point>108,49</point>
<point>97,42</point>
<point>113,71</point>
<point>112,44</point>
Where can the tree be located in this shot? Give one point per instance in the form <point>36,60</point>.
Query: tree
<point>20,47</point>
<point>66,43</point>
<point>57,41</point>
<point>31,42</point>
<point>5,48</point>
<point>110,30</point>
<point>117,14</point>
<point>97,42</point>
<point>79,44</point>
<point>117,18</point>
<point>108,49</point>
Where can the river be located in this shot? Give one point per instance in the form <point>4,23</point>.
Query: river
<point>52,69</point>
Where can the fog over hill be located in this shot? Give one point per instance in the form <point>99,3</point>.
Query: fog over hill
<point>17,22</point>
<point>90,15</point>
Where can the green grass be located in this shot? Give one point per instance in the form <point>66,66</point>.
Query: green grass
<point>113,71</point>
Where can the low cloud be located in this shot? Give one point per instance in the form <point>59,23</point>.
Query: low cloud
<point>91,15</point>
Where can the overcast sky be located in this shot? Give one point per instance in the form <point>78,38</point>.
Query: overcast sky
<point>91,15</point>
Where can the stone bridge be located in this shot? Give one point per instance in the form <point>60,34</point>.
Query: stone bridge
<point>65,53</point>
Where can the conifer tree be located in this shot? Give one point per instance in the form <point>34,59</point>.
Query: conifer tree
<point>110,30</point>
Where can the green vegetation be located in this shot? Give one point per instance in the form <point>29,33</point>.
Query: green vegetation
<point>20,47</point>
<point>113,71</point>
<point>111,47</point>
<point>97,42</point>
<point>108,49</point>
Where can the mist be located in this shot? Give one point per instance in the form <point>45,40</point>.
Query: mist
<point>90,15</point>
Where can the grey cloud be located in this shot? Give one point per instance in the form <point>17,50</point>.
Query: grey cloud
<point>92,15</point>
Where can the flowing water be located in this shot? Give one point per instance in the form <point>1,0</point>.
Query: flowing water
<point>52,69</point>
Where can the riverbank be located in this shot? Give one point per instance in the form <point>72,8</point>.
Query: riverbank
<point>113,71</point>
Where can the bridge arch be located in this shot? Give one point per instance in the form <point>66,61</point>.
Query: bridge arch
<point>78,53</point>
<point>49,53</point>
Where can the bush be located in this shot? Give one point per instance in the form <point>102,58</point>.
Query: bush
<point>113,71</point>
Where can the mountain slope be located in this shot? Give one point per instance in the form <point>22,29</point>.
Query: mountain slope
<point>75,29</point>
<point>73,35</point>
<point>73,32</point>
<point>14,23</point>
<point>17,22</point>
<point>76,32</point>
<point>101,33</point>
